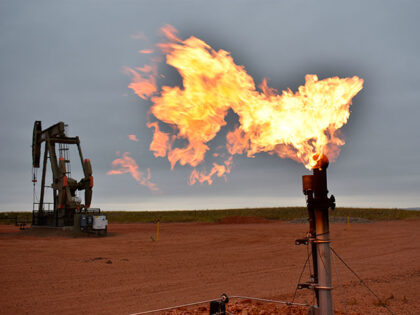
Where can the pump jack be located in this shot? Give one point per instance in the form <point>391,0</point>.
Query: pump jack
<point>65,202</point>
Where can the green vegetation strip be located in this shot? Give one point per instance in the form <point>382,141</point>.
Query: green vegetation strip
<point>281,214</point>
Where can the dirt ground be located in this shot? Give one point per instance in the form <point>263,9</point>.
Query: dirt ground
<point>49,272</point>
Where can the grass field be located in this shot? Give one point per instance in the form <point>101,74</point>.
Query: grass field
<point>281,214</point>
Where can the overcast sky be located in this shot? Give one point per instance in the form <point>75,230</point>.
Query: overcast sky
<point>63,61</point>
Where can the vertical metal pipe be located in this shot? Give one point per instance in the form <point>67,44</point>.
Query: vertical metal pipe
<point>322,241</point>
<point>56,177</point>
<point>312,232</point>
<point>307,181</point>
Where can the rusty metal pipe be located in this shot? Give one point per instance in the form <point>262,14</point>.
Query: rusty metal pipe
<point>322,240</point>
<point>315,188</point>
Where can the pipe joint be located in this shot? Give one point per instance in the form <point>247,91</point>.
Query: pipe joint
<point>319,287</point>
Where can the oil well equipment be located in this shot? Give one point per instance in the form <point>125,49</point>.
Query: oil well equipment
<point>66,208</point>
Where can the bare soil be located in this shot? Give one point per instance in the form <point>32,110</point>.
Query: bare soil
<point>53,272</point>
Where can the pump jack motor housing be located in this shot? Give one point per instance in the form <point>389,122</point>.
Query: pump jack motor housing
<point>66,209</point>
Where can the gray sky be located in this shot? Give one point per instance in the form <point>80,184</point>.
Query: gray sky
<point>63,61</point>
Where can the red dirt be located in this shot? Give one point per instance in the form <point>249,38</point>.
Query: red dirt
<point>243,220</point>
<point>47,272</point>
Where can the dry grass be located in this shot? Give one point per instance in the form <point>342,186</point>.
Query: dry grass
<point>280,214</point>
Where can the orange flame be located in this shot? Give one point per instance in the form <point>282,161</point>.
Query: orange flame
<point>133,138</point>
<point>297,125</point>
<point>127,165</point>
<point>146,51</point>
<point>217,169</point>
<point>160,143</point>
<point>144,86</point>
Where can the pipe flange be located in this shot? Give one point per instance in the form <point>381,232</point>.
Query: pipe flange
<point>319,287</point>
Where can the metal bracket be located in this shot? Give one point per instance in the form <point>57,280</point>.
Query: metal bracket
<point>307,285</point>
<point>322,203</point>
<point>323,288</point>
<point>300,241</point>
<point>219,307</point>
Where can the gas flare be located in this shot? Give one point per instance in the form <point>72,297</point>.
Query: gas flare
<point>133,138</point>
<point>300,125</point>
<point>127,165</point>
<point>146,51</point>
<point>143,85</point>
